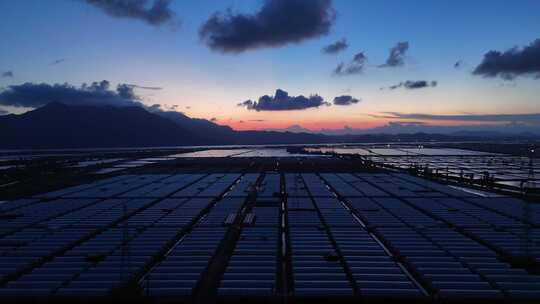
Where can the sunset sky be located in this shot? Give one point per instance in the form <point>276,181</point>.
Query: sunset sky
<point>77,41</point>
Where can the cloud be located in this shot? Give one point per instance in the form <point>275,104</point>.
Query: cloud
<point>155,108</point>
<point>257,120</point>
<point>7,74</point>
<point>414,84</point>
<point>397,54</point>
<point>336,47</point>
<point>33,95</point>
<point>406,123</point>
<point>57,61</point>
<point>458,64</point>
<point>531,118</point>
<point>511,63</point>
<point>3,112</point>
<point>153,12</point>
<point>356,66</point>
<point>283,102</point>
<point>277,23</point>
<point>345,100</point>
<point>144,87</point>
<point>419,84</point>
<point>213,119</point>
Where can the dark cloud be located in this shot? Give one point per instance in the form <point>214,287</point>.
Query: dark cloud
<point>419,84</point>
<point>511,63</point>
<point>154,108</point>
<point>33,95</point>
<point>458,64</point>
<point>533,117</point>
<point>213,119</point>
<point>257,120</point>
<point>397,55</point>
<point>345,100</point>
<point>145,88</point>
<point>153,12</point>
<point>335,47</point>
<point>356,66</point>
<point>283,102</point>
<point>57,61</point>
<point>174,108</point>
<point>7,74</point>
<point>414,84</point>
<point>277,23</point>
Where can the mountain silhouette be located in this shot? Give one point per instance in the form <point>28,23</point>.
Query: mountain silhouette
<point>57,125</point>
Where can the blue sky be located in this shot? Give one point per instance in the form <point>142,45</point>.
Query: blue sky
<point>96,46</point>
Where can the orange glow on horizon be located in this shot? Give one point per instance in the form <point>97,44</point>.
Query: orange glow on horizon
<point>311,125</point>
<point>241,125</point>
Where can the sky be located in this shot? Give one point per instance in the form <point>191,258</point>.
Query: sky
<point>185,58</point>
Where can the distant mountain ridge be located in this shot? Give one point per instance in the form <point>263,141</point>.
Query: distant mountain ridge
<point>200,127</point>
<point>57,125</point>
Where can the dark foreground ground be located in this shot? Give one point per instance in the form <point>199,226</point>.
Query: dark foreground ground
<point>302,229</point>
